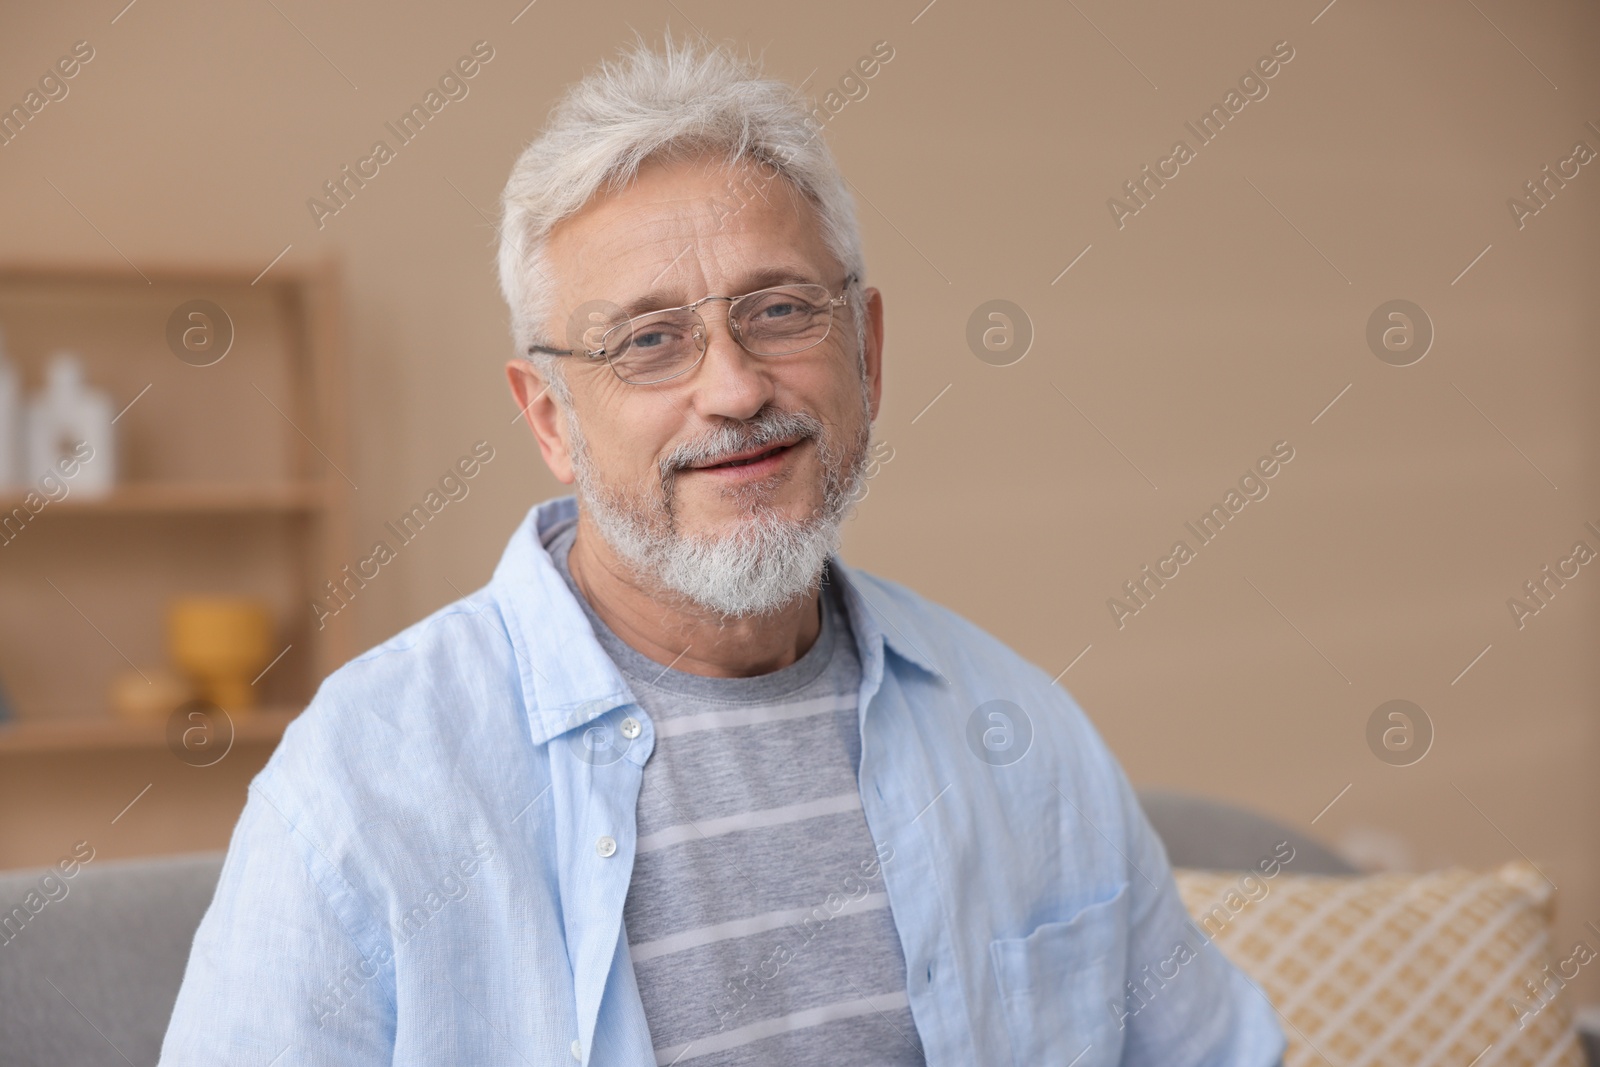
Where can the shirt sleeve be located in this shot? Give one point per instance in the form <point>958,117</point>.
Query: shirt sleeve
<point>274,976</point>
<point>1186,1005</point>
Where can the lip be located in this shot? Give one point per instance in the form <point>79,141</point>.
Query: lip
<point>773,456</point>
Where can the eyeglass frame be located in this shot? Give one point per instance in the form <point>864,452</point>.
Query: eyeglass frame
<point>841,300</point>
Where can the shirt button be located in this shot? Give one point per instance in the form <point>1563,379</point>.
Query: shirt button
<point>630,728</point>
<point>606,846</point>
<point>577,1050</point>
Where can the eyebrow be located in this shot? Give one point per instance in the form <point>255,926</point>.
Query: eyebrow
<point>762,278</point>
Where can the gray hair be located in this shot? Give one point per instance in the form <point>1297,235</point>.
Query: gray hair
<point>679,103</point>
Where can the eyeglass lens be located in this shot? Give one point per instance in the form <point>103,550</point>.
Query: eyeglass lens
<point>772,322</point>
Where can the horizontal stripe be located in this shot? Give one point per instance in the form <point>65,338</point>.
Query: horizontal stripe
<point>750,820</point>
<point>800,1020</point>
<point>677,726</point>
<point>755,924</point>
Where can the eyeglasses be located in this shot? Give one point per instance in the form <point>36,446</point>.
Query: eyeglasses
<point>662,345</point>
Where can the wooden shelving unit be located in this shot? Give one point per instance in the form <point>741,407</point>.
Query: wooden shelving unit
<point>232,479</point>
<point>105,734</point>
<point>196,499</point>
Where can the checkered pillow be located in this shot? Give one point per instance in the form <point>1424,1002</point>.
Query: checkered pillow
<point>1452,967</point>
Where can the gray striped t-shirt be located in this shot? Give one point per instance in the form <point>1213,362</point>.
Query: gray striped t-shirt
<point>756,918</point>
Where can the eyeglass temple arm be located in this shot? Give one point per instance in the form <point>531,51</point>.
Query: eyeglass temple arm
<point>547,350</point>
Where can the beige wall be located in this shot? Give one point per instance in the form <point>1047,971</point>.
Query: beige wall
<point>1220,319</point>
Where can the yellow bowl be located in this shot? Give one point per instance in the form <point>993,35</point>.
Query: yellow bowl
<point>221,643</point>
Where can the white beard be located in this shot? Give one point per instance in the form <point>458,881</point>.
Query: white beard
<point>770,560</point>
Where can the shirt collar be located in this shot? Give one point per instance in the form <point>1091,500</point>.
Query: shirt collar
<point>567,678</point>
<point>882,616</point>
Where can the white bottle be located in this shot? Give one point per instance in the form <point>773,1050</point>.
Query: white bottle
<point>69,430</point>
<point>11,476</point>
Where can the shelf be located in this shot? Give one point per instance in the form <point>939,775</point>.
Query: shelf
<point>232,482</point>
<point>85,734</point>
<point>183,272</point>
<point>182,498</point>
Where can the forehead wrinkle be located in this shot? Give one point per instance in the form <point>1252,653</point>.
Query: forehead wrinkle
<point>665,263</point>
<point>622,239</point>
<point>753,232</point>
<point>681,271</point>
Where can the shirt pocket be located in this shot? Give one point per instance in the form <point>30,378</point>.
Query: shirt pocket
<point>1058,985</point>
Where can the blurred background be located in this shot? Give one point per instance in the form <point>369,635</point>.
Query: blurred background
<point>1379,261</point>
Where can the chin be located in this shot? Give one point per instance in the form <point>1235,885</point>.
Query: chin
<point>731,510</point>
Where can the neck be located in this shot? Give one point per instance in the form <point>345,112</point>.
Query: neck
<point>676,632</point>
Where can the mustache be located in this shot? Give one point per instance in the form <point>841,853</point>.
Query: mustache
<point>769,426</point>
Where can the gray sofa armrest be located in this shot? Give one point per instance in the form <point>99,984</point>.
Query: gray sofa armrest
<point>90,977</point>
<point>1211,835</point>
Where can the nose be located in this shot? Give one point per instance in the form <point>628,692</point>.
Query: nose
<point>730,383</point>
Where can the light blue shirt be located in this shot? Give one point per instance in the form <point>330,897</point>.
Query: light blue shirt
<point>431,868</point>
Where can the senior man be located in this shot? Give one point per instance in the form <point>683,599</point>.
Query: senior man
<point>677,786</point>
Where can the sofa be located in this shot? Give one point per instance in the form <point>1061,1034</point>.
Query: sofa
<point>91,979</point>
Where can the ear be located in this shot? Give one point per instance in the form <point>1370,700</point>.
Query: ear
<point>874,352</point>
<point>543,416</point>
